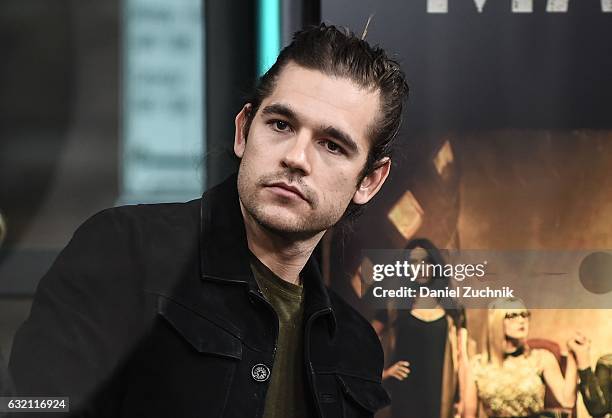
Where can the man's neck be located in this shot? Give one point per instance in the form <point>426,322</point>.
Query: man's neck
<point>284,255</point>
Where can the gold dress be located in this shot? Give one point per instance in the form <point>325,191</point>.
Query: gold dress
<point>516,389</point>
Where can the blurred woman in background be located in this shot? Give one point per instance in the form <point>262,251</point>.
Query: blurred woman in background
<point>509,378</point>
<point>423,377</point>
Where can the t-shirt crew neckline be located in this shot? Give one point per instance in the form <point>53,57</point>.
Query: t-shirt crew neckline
<point>290,290</point>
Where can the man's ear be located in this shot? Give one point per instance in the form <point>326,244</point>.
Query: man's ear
<point>240,131</point>
<point>371,184</point>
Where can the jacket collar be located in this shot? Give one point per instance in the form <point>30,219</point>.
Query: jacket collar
<point>224,253</point>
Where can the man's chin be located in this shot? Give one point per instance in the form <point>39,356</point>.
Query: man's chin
<point>288,224</point>
<point>283,224</point>
<point>294,222</point>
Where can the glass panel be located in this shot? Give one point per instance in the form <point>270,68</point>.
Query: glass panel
<point>163,142</point>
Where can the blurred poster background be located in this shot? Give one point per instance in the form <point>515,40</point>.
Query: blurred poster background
<point>507,140</point>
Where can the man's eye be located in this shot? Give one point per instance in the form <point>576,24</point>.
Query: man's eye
<point>333,147</point>
<point>281,125</point>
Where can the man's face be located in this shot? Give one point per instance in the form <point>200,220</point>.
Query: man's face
<point>305,150</point>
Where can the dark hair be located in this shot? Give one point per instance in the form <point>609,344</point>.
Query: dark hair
<point>337,52</point>
<point>434,256</point>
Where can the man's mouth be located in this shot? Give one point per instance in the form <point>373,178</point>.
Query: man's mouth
<point>287,190</point>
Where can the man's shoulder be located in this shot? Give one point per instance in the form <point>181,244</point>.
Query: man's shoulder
<point>142,217</point>
<point>128,245</point>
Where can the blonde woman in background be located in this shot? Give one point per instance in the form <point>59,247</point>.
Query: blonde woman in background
<point>509,378</point>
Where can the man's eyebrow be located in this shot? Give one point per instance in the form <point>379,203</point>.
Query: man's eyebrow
<point>335,133</point>
<point>341,137</point>
<point>279,109</point>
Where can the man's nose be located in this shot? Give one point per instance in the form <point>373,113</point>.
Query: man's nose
<point>296,156</point>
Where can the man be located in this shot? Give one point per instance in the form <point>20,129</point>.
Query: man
<point>216,307</point>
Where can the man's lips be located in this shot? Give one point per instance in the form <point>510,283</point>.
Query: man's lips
<point>291,189</point>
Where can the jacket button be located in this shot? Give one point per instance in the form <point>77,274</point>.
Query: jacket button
<point>260,372</point>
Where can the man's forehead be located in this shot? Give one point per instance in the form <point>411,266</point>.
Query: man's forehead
<point>326,99</point>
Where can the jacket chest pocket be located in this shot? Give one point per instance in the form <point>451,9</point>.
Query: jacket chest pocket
<point>202,334</point>
<point>186,367</point>
<point>349,397</point>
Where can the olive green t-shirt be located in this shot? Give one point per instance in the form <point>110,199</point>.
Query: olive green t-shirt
<point>286,395</point>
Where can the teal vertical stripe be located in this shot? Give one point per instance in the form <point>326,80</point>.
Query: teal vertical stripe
<point>269,34</point>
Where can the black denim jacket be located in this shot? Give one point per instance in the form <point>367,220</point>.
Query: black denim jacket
<point>152,311</point>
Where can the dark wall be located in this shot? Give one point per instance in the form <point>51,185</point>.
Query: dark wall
<point>37,48</point>
<point>231,51</point>
<point>496,69</point>
<point>59,136</point>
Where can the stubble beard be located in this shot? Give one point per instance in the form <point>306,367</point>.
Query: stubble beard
<point>297,228</point>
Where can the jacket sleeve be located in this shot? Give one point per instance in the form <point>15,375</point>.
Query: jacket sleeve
<point>6,384</point>
<point>84,317</point>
